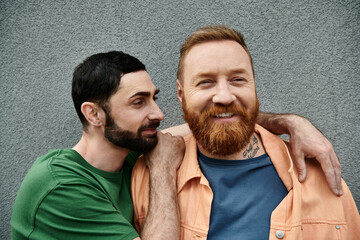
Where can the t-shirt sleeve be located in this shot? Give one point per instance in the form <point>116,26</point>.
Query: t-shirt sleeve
<point>79,211</point>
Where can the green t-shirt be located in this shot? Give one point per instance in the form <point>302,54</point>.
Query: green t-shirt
<point>64,197</point>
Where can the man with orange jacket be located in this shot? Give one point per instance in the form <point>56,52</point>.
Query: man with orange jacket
<point>237,180</point>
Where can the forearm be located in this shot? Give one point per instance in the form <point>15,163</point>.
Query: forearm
<point>279,123</point>
<point>163,218</point>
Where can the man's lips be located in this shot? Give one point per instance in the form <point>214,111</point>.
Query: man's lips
<point>226,117</point>
<point>149,131</point>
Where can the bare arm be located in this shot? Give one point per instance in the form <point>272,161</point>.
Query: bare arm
<point>306,142</point>
<point>163,218</point>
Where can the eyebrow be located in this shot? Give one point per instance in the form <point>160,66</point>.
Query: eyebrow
<point>145,94</point>
<point>210,74</point>
<point>240,70</point>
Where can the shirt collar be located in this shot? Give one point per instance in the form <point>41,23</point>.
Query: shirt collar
<point>274,146</point>
<point>279,155</point>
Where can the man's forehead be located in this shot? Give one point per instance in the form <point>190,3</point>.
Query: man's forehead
<point>134,82</point>
<point>209,56</point>
<point>206,48</point>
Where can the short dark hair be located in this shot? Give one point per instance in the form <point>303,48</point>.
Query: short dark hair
<point>98,78</point>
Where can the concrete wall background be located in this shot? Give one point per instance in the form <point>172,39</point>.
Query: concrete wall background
<point>306,57</point>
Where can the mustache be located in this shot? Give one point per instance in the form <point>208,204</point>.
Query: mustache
<point>152,124</point>
<point>218,109</point>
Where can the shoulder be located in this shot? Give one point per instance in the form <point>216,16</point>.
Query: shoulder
<point>317,199</point>
<point>59,192</point>
<point>40,177</point>
<point>140,174</point>
<point>46,176</point>
<point>63,207</point>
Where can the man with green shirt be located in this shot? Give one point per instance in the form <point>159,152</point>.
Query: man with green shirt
<point>84,192</point>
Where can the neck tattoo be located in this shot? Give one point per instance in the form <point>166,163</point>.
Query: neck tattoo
<point>253,148</point>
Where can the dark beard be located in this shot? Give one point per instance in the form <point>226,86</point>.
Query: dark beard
<point>222,139</point>
<point>129,140</point>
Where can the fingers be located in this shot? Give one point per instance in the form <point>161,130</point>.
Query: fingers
<point>330,173</point>
<point>168,137</point>
<point>299,160</point>
<point>178,140</point>
<point>331,167</point>
<point>337,171</point>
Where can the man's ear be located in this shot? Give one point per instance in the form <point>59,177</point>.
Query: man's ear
<point>94,114</point>
<point>179,91</point>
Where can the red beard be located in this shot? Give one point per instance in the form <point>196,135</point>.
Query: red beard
<point>222,139</point>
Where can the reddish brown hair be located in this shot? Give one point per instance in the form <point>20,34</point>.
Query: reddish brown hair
<point>207,34</point>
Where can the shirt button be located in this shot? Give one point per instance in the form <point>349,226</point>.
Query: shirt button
<point>337,227</point>
<point>279,234</point>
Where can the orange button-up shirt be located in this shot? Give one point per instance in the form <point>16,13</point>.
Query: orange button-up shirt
<point>309,211</point>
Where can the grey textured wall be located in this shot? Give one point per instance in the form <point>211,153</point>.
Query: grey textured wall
<point>306,58</point>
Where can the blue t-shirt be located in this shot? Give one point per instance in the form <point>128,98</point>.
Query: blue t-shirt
<point>245,194</point>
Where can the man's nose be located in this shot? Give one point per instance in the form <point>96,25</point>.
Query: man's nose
<point>156,113</point>
<point>223,94</point>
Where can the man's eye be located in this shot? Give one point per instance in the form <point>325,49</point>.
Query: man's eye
<point>138,102</point>
<point>238,80</point>
<point>205,82</point>
<point>155,98</point>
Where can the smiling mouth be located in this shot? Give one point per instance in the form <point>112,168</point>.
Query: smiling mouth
<point>224,115</point>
